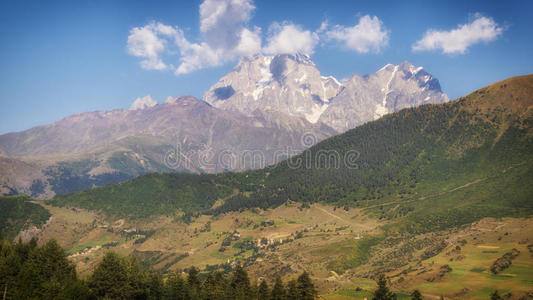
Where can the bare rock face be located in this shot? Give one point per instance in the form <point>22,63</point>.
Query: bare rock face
<point>292,84</point>
<point>390,89</point>
<point>26,235</point>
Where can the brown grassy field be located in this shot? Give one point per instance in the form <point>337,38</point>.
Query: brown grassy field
<point>342,250</point>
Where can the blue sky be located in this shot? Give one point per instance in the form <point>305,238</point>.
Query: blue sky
<point>62,57</point>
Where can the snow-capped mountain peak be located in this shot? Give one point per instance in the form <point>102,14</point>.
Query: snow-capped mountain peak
<point>291,84</point>
<point>288,83</point>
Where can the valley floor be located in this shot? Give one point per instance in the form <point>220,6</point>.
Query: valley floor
<point>343,250</point>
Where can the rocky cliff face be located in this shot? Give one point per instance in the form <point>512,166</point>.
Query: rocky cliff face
<point>292,84</point>
<point>392,88</point>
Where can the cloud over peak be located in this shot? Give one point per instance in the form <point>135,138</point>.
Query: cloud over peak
<point>225,35</point>
<point>457,41</point>
<point>146,42</point>
<point>290,39</point>
<point>222,21</point>
<point>369,35</point>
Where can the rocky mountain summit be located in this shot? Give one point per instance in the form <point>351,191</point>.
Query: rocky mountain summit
<point>293,85</point>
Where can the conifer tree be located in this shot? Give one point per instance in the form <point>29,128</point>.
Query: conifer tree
<point>10,266</point>
<point>176,288</point>
<point>46,271</point>
<point>194,282</point>
<point>292,291</point>
<point>263,292</point>
<point>208,288</point>
<point>155,285</point>
<point>416,295</point>
<point>240,284</point>
<point>305,287</point>
<point>110,278</point>
<point>278,290</point>
<point>192,278</point>
<point>383,292</point>
<point>137,278</point>
<point>223,288</point>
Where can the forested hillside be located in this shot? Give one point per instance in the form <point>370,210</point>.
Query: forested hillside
<point>416,154</point>
<point>18,213</point>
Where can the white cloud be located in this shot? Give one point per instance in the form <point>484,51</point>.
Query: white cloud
<point>144,42</point>
<point>250,42</point>
<point>224,38</point>
<point>142,103</point>
<point>222,21</point>
<point>289,39</point>
<point>481,29</point>
<point>369,35</point>
<point>197,56</point>
<point>323,26</point>
<point>225,35</point>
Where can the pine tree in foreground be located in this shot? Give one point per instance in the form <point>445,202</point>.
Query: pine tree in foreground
<point>263,293</point>
<point>305,287</point>
<point>383,292</point>
<point>176,287</point>
<point>495,296</point>
<point>109,279</point>
<point>292,291</point>
<point>278,290</point>
<point>240,284</point>
<point>416,295</point>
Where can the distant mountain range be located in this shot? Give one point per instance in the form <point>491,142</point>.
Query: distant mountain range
<point>293,85</point>
<point>265,109</point>
<point>482,141</point>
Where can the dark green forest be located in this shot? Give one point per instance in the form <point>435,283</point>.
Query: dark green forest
<point>18,213</point>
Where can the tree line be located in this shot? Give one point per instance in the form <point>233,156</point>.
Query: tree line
<point>30,271</point>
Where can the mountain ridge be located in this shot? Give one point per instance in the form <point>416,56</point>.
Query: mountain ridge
<point>127,143</point>
<point>291,100</point>
<point>416,150</point>
<point>294,85</point>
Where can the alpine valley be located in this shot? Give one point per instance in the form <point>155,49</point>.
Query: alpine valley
<point>266,109</point>
<point>435,194</point>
